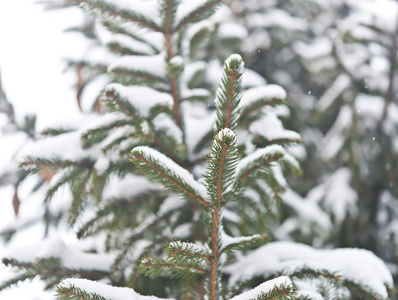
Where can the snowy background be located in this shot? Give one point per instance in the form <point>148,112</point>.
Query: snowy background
<point>32,48</point>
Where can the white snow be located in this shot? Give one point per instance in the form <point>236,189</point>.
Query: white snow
<point>66,146</point>
<point>270,127</point>
<point>335,137</point>
<point>277,18</point>
<point>230,30</point>
<point>336,195</point>
<point>128,42</point>
<point>55,247</point>
<point>186,7</point>
<point>148,152</point>
<point>251,78</point>
<point>106,291</point>
<point>147,8</point>
<point>166,123</point>
<point>245,162</point>
<point>128,186</point>
<point>320,47</point>
<point>155,64</point>
<point>341,83</point>
<point>370,105</point>
<point>191,69</point>
<point>227,240</point>
<point>358,265</point>
<point>200,123</point>
<point>307,211</point>
<point>265,287</point>
<point>102,165</point>
<point>192,93</point>
<point>268,92</point>
<point>172,202</point>
<point>141,97</point>
<point>226,132</point>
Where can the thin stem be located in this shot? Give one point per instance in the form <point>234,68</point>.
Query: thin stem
<point>173,82</point>
<point>215,229</point>
<point>393,66</point>
<point>214,250</point>
<point>230,96</point>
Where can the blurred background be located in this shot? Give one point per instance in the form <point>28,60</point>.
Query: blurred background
<point>336,59</point>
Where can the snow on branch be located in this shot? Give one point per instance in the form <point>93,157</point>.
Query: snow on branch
<point>271,128</point>
<point>87,289</point>
<point>255,98</point>
<point>143,13</point>
<point>141,98</point>
<point>229,94</point>
<point>70,257</point>
<point>139,69</point>
<point>165,171</point>
<point>222,163</point>
<point>278,286</point>
<point>262,158</point>
<point>351,266</point>
<point>194,11</point>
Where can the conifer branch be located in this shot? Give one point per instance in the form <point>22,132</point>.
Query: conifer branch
<point>113,100</point>
<point>79,189</point>
<point>244,243</point>
<point>222,163</point>
<point>257,105</point>
<point>163,267</point>
<point>129,76</point>
<point>73,292</point>
<point>173,82</point>
<point>143,158</point>
<point>229,95</point>
<point>176,249</point>
<point>168,151</point>
<point>259,160</point>
<point>198,14</point>
<point>115,28</point>
<point>114,11</point>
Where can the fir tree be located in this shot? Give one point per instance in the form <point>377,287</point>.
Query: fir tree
<point>156,102</point>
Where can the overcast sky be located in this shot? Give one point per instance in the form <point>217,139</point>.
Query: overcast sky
<point>32,44</point>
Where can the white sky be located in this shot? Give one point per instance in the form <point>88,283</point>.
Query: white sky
<point>32,44</point>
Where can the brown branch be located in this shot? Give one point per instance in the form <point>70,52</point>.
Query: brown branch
<point>204,202</point>
<point>214,249</point>
<point>69,292</point>
<point>173,82</point>
<point>168,15</point>
<point>230,96</point>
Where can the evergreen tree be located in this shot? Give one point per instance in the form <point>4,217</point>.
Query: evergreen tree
<point>338,59</point>
<point>159,104</point>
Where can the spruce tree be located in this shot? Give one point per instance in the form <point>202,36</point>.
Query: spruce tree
<point>157,100</point>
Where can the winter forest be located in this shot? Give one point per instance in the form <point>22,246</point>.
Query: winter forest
<point>223,149</point>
